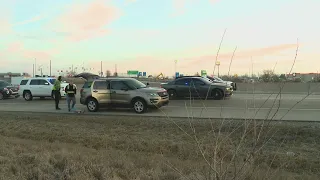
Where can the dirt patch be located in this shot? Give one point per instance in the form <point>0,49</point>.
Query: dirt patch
<point>88,147</point>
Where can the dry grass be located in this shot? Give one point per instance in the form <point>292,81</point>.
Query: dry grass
<point>33,146</point>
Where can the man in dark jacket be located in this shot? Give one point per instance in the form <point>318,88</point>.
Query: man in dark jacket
<point>71,91</point>
<point>56,92</point>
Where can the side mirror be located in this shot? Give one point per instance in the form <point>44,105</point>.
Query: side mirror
<point>148,84</point>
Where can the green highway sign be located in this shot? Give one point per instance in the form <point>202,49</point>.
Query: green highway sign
<point>203,73</point>
<point>132,72</point>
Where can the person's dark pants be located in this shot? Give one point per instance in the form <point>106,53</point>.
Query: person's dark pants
<point>57,98</point>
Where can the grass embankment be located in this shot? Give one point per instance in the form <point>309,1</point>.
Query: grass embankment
<point>35,146</point>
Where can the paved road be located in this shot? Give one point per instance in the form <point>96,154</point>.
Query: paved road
<point>238,106</point>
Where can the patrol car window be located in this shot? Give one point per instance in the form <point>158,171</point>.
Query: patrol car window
<point>34,82</point>
<point>183,82</point>
<point>100,85</point>
<point>118,85</point>
<point>42,82</point>
<point>197,82</point>
<point>23,82</point>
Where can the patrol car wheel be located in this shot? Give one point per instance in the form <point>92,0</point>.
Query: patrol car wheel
<point>172,94</point>
<point>139,106</point>
<point>92,105</point>
<point>217,94</point>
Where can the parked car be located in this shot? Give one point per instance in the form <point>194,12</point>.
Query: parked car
<point>121,92</point>
<point>217,79</point>
<point>39,87</point>
<point>197,87</point>
<point>7,90</point>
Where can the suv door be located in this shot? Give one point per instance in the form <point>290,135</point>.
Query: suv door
<point>45,87</point>
<point>101,91</point>
<point>182,87</point>
<point>120,92</point>
<point>34,87</point>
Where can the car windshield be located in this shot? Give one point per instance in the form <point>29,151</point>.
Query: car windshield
<point>4,84</point>
<point>52,81</point>
<point>135,84</point>
<point>217,78</point>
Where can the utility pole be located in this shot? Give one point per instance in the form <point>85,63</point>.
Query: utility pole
<point>35,66</point>
<point>50,68</point>
<point>101,73</point>
<point>115,70</point>
<point>175,68</point>
<point>218,64</point>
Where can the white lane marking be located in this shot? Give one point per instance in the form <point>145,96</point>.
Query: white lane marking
<point>237,108</point>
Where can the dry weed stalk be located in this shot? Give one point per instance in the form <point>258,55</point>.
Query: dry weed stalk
<point>219,170</point>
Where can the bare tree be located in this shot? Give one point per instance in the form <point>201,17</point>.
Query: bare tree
<point>267,75</point>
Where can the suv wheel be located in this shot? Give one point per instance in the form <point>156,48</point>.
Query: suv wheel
<point>1,96</point>
<point>92,105</point>
<point>172,94</point>
<point>139,106</point>
<point>217,94</point>
<point>28,96</point>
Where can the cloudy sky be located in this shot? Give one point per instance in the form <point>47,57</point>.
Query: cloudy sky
<point>149,35</point>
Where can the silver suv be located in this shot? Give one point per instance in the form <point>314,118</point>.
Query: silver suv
<point>122,92</point>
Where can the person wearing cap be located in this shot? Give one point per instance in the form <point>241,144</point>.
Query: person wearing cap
<point>71,91</point>
<point>56,91</point>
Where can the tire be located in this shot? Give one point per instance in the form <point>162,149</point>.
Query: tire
<point>172,94</point>
<point>217,94</point>
<point>92,105</point>
<point>235,86</point>
<point>139,105</point>
<point>1,96</point>
<point>28,96</point>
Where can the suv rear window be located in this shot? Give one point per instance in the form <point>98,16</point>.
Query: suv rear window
<point>87,84</point>
<point>23,82</point>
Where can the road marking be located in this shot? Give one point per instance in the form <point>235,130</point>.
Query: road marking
<point>196,107</point>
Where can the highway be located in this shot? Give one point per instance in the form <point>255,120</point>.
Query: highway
<point>239,106</point>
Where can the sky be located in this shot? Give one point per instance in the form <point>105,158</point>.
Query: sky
<point>151,35</point>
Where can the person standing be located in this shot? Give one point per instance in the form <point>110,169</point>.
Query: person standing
<point>56,90</point>
<point>71,91</point>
